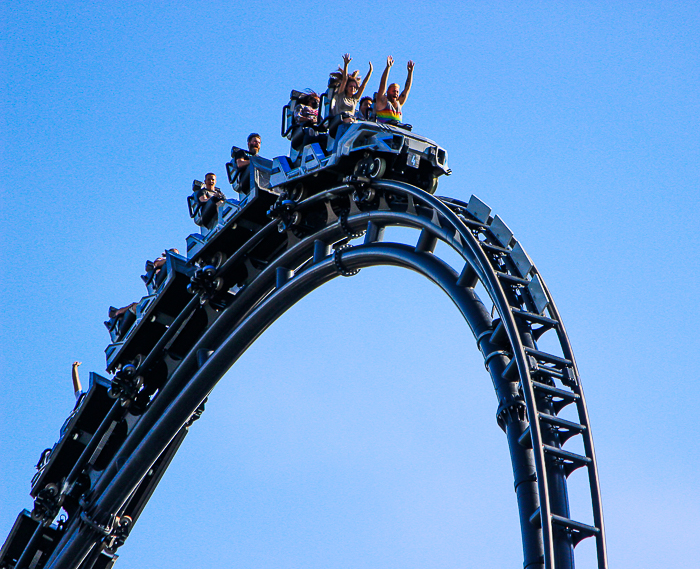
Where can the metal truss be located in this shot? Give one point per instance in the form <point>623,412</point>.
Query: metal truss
<point>239,292</point>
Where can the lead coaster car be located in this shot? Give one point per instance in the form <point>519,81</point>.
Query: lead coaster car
<point>367,150</point>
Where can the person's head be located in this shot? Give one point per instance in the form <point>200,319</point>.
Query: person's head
<point>351,87</point>
<point>210,181</point>
<point>254,142</point>
<point>392,93</point>
<point>310,99</point>
<point>365,105</point>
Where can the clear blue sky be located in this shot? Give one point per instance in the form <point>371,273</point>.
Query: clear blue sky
<point>360,430</point>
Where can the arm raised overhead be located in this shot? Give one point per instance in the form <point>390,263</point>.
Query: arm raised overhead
<point>409,81</point>
<point>344,77</point>
<point>381,93</point>
<point>361,90</point>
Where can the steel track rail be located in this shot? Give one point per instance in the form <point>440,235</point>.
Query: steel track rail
<point>532,385</point>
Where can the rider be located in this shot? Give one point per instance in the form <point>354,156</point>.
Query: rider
<point>305,119</point>
<point>242,159</point>
<point>389,102</point>
<point>364,111</point>
<point>154,269</point>
<point>349,90</point>
<point>210,198</point>
<point>347,95</point>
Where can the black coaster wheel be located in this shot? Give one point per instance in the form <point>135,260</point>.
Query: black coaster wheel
<point>298,192</point>
<point>372,167</point>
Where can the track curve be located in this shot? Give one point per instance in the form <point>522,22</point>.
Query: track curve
<point>541,405</point>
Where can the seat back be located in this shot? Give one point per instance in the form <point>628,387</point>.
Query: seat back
<point>288,113</point>
<point>326,107</point>
<point>232,170</point>
<point>193,204</point>
<point>232,173</point>
<point>150,273</point>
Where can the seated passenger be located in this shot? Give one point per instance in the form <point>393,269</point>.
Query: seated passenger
<point>347,95</point>
<point>160,261</point>
<point>364,111</point>
<point>305,120</point>
<point>117,312</point>
<point>154,273</point>
<point>389,101</point>
<point>120,320</point>
<point>242,159</point>
<point>348,91</point>
<point>210,198</point>
<point>306,111</point>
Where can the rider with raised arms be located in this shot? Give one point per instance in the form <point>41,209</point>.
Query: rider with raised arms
<point>389,101</point>
<point>349,91</point>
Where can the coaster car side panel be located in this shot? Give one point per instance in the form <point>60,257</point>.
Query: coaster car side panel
<point>154,312</point>
<point>259,168</point>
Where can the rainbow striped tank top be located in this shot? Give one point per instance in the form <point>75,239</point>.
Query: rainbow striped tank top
<point>388,114</point>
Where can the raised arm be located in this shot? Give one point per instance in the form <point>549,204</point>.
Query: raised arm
<point>385,77</point>
<point>344,77</point>
<point>77,388</point>
<point>409,81</point>
<point>358,95</point>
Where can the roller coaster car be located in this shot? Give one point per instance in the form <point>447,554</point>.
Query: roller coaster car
<point>120,321</point>
<point>366,150</point>
<point>295,132</point>
<point>239,223</point>
<point>205,214</point>
<point>153,313</point>
<point>55,464</point>
<point>155,279</point>
<point>20,535</point>
<point>241,180</point>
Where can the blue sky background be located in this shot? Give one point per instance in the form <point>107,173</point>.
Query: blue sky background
<point>360,430</point>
